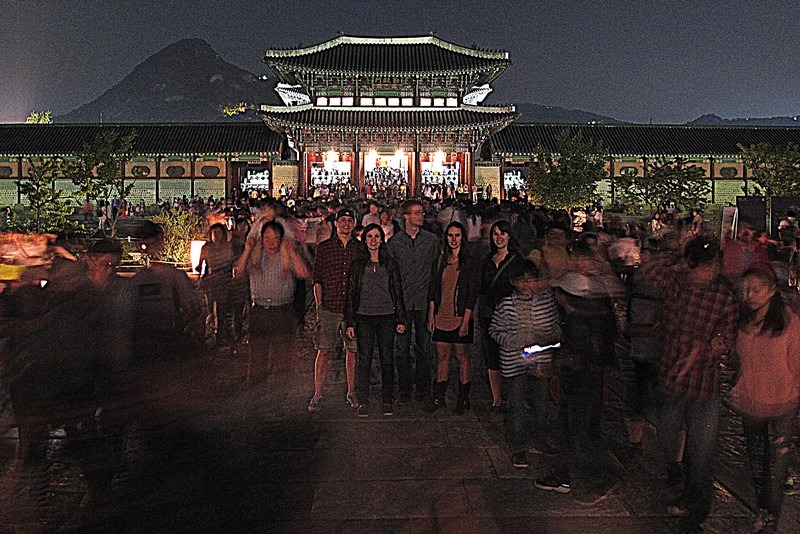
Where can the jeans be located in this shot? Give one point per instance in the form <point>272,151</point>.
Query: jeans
<point>769,459</point>
<point>370,328</point>
<point>272,341</point>
<point>700,419</point>
<point>421,375</point>
<point>528,396</point>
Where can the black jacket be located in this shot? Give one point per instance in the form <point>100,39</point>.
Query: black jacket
<point>354,280</point>
<point>467,287</point>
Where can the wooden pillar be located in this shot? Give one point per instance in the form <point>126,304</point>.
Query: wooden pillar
<point>358,180</point>
<point>416,190</point>
<point>302,181</point>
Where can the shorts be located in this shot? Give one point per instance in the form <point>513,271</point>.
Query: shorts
<point>331,328</point>
<point>451,336</point>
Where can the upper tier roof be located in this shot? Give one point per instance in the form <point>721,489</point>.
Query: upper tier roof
<point>161,139</point>
<point>644,140</point>
<point>310,116</point>
<point>389,55</point>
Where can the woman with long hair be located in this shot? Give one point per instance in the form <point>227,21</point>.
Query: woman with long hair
<point>451,301</point>
<point>767,389</point>
<point>374,310</point>
<point>495,286</point>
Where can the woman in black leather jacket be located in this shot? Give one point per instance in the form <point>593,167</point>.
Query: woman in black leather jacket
<point>451,300</point>
<point>374,311</point>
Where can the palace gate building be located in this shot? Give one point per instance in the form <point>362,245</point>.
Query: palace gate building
<point>402,110</point>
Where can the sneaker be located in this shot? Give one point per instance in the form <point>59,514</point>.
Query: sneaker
<point>552,483</point>
<point>519,460</point>
<point>763,520</point>
<point>352,400</point>
<point>677,509</point>
<point>315,404</point>
<point>791,487</point>
<point>388,409</point>
<point>363,410</point>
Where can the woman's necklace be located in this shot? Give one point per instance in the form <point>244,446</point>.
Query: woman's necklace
<point>375,266</point>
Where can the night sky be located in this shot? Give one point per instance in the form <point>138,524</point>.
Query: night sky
<point>637,61</point>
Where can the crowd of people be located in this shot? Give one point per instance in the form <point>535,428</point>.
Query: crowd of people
<point>556,305</point>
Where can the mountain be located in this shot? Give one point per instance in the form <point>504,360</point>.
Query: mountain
<point>715,120</point>
<point>185,82</point>
<point>553,114</point>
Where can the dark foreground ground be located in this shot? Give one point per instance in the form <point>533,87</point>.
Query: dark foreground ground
<point>216,453</point>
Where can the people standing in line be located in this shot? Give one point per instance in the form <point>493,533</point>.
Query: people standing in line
<point>374,311</point>
<point>699,328</point>
<point>416,251</point>
<point>332,263</point>
<point>767,388</point>
<point>451,302</point>
<point>273,269</point>
<point>216,278</point>
<point>495,286</point>
<point>526,318</point>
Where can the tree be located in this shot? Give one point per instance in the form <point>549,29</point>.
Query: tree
<point>49,205</point>
<point>776,169</point>
<point>568,177</point>
<point>99,168</point>
<point>666,181</point>
<point>36,117</point>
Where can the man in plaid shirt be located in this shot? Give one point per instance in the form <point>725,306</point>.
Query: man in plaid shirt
<point>331,268</point>
<point>699,329</point>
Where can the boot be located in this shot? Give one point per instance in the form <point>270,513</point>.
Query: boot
<point>437,401</point>
<point>463,398</point>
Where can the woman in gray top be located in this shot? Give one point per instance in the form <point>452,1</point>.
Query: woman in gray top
<point>374,310</point>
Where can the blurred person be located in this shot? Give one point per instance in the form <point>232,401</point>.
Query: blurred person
<point>451,301</point>
<point>216,278</point>
<point>170,315</point>
<point>372,216</point>
<point>273,273</point>
<point>767,389</point>
<point>374,311</point>
<point>699,329</point>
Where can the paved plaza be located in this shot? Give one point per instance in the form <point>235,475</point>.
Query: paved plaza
<point>221,454</point>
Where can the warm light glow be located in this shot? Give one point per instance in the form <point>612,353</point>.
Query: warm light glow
<point>371,159</point>
<point>438,161</point>
<point>194,253</point>
<point>399,154</point>
<point>331,157</point>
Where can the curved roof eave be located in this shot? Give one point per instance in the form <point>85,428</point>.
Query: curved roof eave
<point>426,39</point>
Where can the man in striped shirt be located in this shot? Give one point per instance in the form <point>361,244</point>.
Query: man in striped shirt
<point>526,318</point>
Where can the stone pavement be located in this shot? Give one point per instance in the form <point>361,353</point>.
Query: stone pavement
<point>225,455</point>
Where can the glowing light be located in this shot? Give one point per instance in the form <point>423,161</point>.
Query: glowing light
<point>438,161</point>
<point>371,159</point>
<point>331,157</point>
<point>194,253</point>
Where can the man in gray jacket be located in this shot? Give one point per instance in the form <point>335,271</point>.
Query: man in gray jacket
<point>416,251</point>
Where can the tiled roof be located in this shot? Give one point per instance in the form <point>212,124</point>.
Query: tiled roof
<point>151,139</point>
<point>644,140</point>
<point>387,118</point>
<point>400,55</point>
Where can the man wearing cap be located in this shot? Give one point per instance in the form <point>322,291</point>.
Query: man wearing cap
<point>331,269</point>
<point>699,321</point>
<point>417,251</point>
<point>170,315</point>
